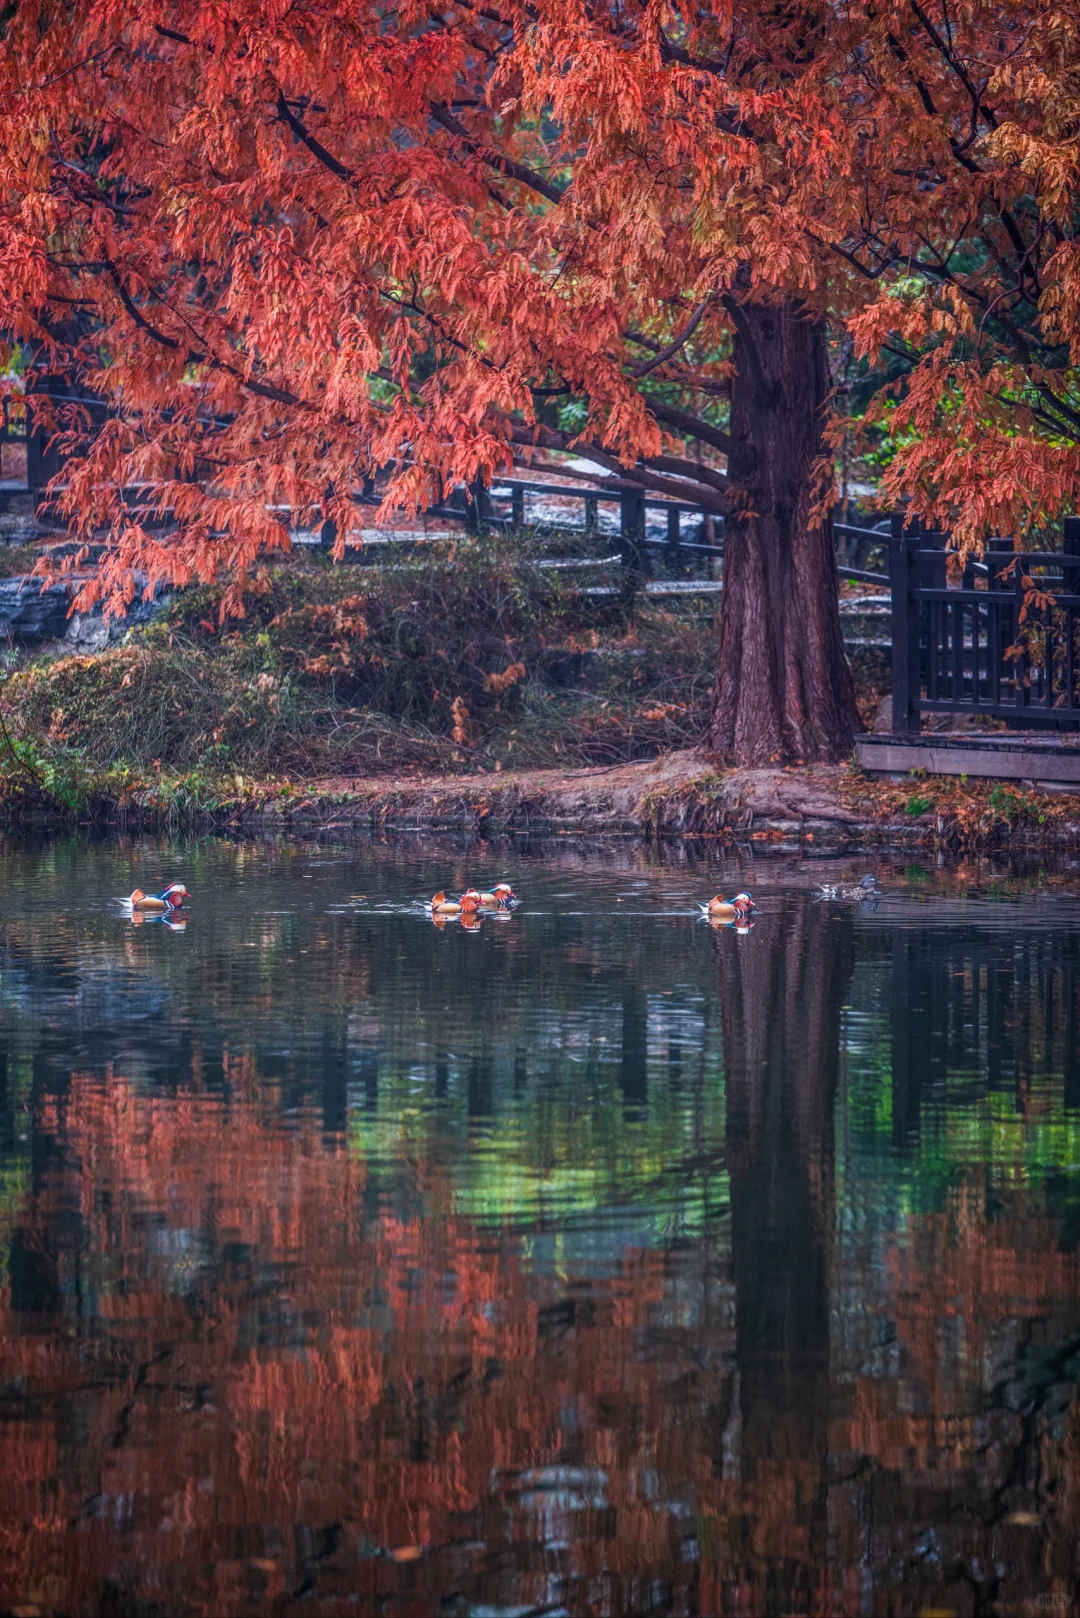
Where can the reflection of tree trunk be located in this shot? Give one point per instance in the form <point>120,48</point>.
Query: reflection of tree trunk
<point>481,1084</point>
<point>334,1063</point>
<point>781,990</point>
<point>634,1071</point>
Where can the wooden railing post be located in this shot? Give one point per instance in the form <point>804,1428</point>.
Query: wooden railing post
<point>904,578</point>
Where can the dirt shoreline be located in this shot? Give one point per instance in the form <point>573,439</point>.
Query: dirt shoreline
<point>682,794</point>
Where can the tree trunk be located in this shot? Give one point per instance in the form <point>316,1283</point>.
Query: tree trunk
<point>784,690</point>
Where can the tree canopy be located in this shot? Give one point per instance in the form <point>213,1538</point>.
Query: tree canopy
<point>296,245</point>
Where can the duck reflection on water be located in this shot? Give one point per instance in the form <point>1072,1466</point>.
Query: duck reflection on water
<point>172,923</point>
<point>867,889</point>
<point>743,925</point>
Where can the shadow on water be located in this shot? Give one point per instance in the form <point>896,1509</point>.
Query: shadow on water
<point>598,1261</point>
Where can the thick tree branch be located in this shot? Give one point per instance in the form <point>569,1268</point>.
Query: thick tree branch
<point>683,422</point>
<point>264,390</point>
<point>136,313</point>
<point>1070,415</point>
<point>676,342</point>
<point>742,326</point>
<point>977,108</point>
<point>679,488</point>
<point>315,147</point>
<point>679,466</point>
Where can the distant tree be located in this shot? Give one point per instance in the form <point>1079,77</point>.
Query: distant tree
<point>298,245</point>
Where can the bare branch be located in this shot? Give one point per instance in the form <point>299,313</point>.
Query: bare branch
<point>676,342</point>
<point>504,165</point>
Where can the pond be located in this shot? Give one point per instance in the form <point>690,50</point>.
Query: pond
<point>593,1261</point>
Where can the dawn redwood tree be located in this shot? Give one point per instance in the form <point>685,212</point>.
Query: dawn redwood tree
<point>297,245</point>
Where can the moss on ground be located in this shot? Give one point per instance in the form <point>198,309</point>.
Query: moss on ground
<point>953,812</point>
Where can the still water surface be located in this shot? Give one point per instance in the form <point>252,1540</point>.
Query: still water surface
<point>595,1262</point>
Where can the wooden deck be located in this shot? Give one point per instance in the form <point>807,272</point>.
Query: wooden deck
<point>1044,761</point>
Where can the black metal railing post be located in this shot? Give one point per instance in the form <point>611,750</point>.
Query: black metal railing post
<point>906,673</point>
<point>42,455</point>
<point>632,541</point>
<point>478,507</point>
<point>674,534</point>
<point>999,615</point>
<point>1070,586</point>
<point>1021,662</point>
<point>1070,544</point>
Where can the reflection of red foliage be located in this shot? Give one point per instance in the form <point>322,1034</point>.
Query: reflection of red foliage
<point>394,1380</point>
<point>960,1288</point>
<point>270,1380</point>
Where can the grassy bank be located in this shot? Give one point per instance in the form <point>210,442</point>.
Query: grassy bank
<point>464,686</point>
<point>461,659</point>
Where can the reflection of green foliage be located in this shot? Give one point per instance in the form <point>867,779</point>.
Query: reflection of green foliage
<point>15,1158</point>
<point>563,1147</point>
<point>1009,1149</point>
<point>487,1075</point>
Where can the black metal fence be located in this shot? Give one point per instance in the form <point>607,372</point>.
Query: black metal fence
<point>1000,640</point>
<point>674,531</point>
<point>650,531</point>
<point>639,523</point>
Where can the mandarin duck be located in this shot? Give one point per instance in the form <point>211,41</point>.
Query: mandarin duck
<point>159,903</point>
<point>728,909</point>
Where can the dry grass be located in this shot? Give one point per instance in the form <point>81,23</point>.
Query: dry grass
<point>460,659</point>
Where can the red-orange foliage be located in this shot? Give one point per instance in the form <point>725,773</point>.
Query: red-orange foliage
<point>962,218</point>
<point>296,244</point>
